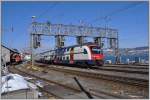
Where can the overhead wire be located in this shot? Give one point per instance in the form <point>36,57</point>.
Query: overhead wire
<point>48,9</point>
<point>116,11</point>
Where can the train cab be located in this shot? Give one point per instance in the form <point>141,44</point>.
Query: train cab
<point>97,55</point>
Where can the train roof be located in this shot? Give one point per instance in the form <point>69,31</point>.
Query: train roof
<point>88,43</point>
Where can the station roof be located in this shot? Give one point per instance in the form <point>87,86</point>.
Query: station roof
<point>12,50</point>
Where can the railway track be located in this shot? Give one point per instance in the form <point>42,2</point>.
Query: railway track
<point>86,73</point>
<point>127,66</point>
<point>124,69</point>
<point>131,64</point>
<point>48,93</point>
<point>95,94</point>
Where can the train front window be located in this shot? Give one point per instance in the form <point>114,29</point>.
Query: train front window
<point>96,50</point>
<point>85,51</point>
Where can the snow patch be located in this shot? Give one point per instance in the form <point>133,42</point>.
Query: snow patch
<point>39,83</point>
<point>28,78</point>
<point>33,86</point>
<point>12,82</point>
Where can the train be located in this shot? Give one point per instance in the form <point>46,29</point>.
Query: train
<point>85,54</point>
<point>10,56</point>
<point>15,58</point>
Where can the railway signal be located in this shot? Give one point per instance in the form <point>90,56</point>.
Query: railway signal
<point>36,41</point>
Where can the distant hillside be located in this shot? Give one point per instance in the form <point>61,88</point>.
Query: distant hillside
<point>136,48</point>
<point>141,48</point>
<point>129,51</point>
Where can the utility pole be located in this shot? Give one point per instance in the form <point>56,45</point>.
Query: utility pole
<point>59,39</point>
<point>117,51</point>
<point>106,31</point>
<point>80,39</point>
<point>31,42</point>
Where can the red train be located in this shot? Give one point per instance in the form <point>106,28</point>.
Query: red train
<point>10,56</point>
<point>15,58</point>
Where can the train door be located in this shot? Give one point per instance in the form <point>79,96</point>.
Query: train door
<point>71,56</point>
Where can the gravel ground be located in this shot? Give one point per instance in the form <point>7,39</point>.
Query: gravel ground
<point>111,73</point>
<point>89,83</point>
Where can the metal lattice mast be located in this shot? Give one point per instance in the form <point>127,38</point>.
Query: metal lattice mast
<point>32,32</point>
<point>72,30</point>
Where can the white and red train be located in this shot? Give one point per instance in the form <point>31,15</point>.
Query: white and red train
<point>87,54</point>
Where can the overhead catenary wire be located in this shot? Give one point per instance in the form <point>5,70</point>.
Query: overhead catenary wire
<point>107,16</point>
<point>48,9</point>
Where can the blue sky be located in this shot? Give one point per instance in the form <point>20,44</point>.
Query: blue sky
<point>132,24</point>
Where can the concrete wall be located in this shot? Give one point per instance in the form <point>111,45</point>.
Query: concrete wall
<point>5,53</point>
<point>21,94</point>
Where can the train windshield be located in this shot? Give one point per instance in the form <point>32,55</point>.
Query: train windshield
<point>96,50</point>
